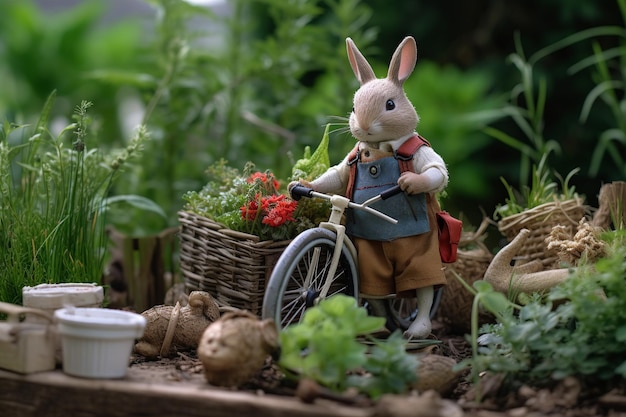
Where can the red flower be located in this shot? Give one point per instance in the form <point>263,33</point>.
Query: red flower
<point>281,213</point>
<point>274,210</point>
<point>267,179</point>
<point>251,210</point>
<point>272,200</point>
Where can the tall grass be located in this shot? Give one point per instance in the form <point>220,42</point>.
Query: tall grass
<point>53,192</point>
<point>526,106</point>
<point>607,68</point>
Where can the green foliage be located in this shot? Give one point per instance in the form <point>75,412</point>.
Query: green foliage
<point>248,201</point>
<point>526,109</point>
<point>537,180</point>
<point>542,189</point>
<point>180,86</point>
<point>390,369</point>
<point>608,69</point>
<point>258,84</point>
<point>489,299</point>
<point>52,202</point>
<point>41,52</point>
<point>252,202</point>
<point>324,347</point>
<point>596,305</point>
<point>248,97</point>
<point>531,116</point>
<point>312,166</point>
<point>443,95</point>
<point>577,330</point>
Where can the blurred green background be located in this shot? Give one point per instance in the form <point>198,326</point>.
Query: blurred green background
<point>258,80</point>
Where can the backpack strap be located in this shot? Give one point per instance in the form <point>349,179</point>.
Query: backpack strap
<point>404,154</point>
<point>353,158</point>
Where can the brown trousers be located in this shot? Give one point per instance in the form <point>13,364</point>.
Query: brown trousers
<point>403,265</point>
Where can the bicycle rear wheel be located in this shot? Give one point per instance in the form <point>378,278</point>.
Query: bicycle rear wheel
<point>401,312</point>
<point>289,292</point>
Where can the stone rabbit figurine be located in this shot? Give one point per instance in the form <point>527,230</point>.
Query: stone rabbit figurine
<point>173,328</point>
<point>401,259</point>
<point>234,348</point>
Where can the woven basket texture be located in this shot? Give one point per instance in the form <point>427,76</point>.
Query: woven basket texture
<point>231,266</point>
<point>540,220</point>
<point>473,258</point>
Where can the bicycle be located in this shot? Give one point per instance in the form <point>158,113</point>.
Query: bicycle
<point>322,261</point>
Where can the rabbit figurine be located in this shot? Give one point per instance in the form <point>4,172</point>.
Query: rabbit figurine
<point>401,259</point>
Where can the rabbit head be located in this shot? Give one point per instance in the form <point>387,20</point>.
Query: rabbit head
<point>381,109</point>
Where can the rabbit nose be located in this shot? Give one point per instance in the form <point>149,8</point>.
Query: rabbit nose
<point>369,129</point>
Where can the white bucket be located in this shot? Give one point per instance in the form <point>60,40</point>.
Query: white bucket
<point>97,342</point>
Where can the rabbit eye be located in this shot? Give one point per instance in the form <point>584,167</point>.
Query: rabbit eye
<point>390,105</point>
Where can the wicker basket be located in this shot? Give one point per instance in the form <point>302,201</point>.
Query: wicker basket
<point>231,266</point>
<point>540,220</point>
<point>473,258</point>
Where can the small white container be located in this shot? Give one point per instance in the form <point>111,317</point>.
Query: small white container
<point>97,342</point>
<point>51,297</point>
<point>26,347</point>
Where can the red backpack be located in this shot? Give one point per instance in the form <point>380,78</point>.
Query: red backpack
<point>449,227</point>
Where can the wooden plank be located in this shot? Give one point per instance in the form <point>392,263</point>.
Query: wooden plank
<point>55,394</point>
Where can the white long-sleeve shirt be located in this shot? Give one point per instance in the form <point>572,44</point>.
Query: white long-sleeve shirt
<point>426,162</point>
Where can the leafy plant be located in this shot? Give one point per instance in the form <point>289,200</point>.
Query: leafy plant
<point>254,203</point>
<point>484,297</point>
<point>538,183</point>
<point>251,202</point>
<point>577,329</point>
<point>177,89</point>
<point>310,166</point>
<point>542,189</point>
<point>324,347</point>
<point>526,109</point>
<point>53,201</point>
<point>388,368</point>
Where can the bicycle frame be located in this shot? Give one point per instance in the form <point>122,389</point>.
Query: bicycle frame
<point>339,205</point>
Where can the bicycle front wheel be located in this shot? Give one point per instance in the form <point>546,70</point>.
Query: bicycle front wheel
<point>300,273</point>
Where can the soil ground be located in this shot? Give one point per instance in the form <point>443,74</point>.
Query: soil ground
<point>569,398</point>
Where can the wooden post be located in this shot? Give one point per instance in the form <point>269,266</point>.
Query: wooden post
<point>611,206</point>
<point>144,264</point>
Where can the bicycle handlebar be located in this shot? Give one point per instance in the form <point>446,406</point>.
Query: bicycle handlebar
<point>390,192</point>
<point>298,191</point>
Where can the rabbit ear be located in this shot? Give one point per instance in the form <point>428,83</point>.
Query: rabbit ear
<point>359,64</point>
<point>403,61</point>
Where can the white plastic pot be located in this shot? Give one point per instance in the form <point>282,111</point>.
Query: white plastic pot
<point>97,342</point>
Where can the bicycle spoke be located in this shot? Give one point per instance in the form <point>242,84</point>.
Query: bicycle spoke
<point>340,290</point>
<point>312,261</point>
<point>294,315</point>
<point>320,272</point>
<point>290,306</point>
